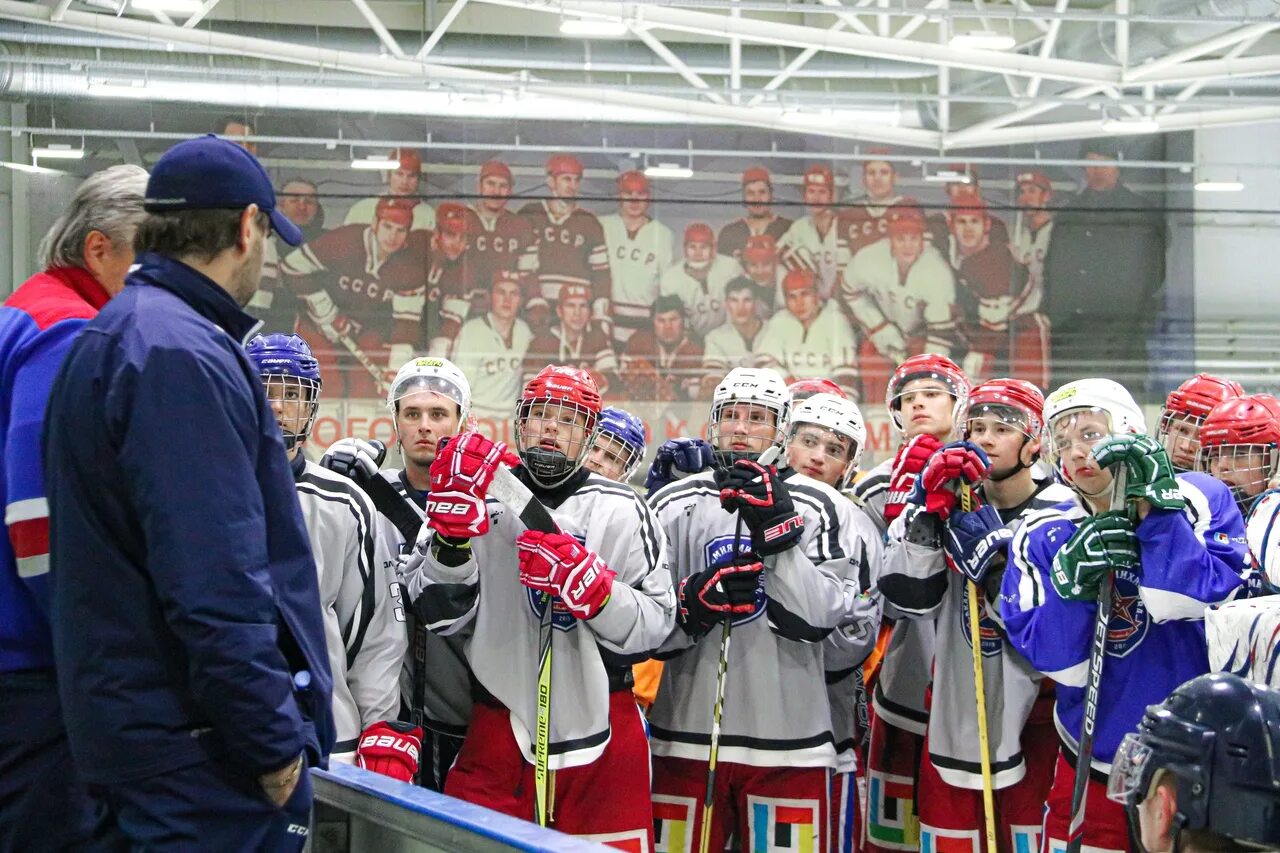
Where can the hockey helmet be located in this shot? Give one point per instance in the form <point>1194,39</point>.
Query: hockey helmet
<point>1015,402</point>
<point>1239,443</point>
<point>620,445</point>
<point>837,414</point>
<point>932,366</point>
<point>1185,410</point>
<point>1218,736</point>
<point>437,375</point>
<point>745,398</point>
<point>565,404</point>
<point>290,375</point>
<point>803,389</point>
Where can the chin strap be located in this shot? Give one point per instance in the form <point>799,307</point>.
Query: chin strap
<point>1000,478</point>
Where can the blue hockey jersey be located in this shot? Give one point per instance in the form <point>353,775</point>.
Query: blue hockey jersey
<point>1155,639</point>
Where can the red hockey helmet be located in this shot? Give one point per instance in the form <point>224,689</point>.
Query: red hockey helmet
<point>556,421</point>
<point>496,169</point>
<point>803,389</point>
<point>409,158</point>
<point>1185,410</point>
<point>562,163</point>
<point>1036,179</point>
<point>451,218</point>
<point>905,217</point>
<point>760,248</point>
<point>819,175</point>
<point>1013,401</point>
<point>699,232</point>
<point>967,201</point>
<point>634,181</point>
<point>751,174</point>
<point>397,209</point>
<point>1240,444</point>
<point>927,365</point>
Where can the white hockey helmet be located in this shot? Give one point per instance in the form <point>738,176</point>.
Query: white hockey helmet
<point>1124,415</point>
<point>758,388</point>
<point>438,375</point>
<point>840,415</point>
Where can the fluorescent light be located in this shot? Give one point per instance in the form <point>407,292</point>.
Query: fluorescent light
<point>1219,186</point>
<point>984,40</point>
<point>821,118</point>
<point>801,117</point>
<point>27,167</point>
<point>58,151</point>
<point>1130,125</point>
<point>375,163</point>
<point>118,86</point>
<point>948,176</point>
<point>668,170</point>
<point>188,6</point>
<point>598,27</point>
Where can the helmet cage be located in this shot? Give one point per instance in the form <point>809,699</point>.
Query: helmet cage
<point>1224,461</point>
<point>290,390</point>
<point>572,427</point>
<point>1168,418</point>
<point>720,429</point>
<point>623,455</point>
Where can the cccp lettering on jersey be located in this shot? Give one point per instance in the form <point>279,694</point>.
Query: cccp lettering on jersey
<point>372,288</point>
<point>564,236</point>
<point>500,365</point>
<point>635,253</point>
<point>493,244</point>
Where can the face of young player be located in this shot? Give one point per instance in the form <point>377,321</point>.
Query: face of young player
<point>763,272</point>
<point>608,457</point>
<point>504,299</point>
<point>819,453</point>
<point>494,192</point>
<point>1074,436</point>
<point>565,185</point>
<point>1005,444</point>
<point>451,245</point>
<point>575,314</point>
<point>697,254</point>
<point>1104,176</point>
<point>906,247</point>
<point>290,403</point>
<point>1182,441</point>
<point>757,196</point>
<point>554,426</point>
<point>668,327</point>
<point>746,427</point>
<point>927,408</point>
<point>803,304</point>
<point>970,230</point>
<point>422,418</point>
<point>390,236</point>
<point>1032,196</point>
<point>633,204</point>
<point>817,197</point>
<point>878,179</point>
<point>298,202</point>
<point>403,181</point>
<point>740,305</point>
<point>1246,471</point>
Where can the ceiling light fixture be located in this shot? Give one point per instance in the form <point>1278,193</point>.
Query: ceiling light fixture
<point>948,176</point>
<point>180,6</point>
<point>374,163</point>
<point>1139,124</point>
<point>1219,186</point>
<point>593,27</point>
<point>983,40</point>
<point>57,151</point>
<point>27,167</point>
<point>668,170</point>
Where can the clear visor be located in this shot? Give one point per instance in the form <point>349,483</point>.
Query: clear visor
<point>612,457</point>
<point>1130,771</point>
<point>1245,468</point>
<point>997,413</point>
<point>1077,429</point>
<point>294,400</point>
<point>921,383</point>
<point>435,384</point>
<point>744,427</point>
<point>814,437</point>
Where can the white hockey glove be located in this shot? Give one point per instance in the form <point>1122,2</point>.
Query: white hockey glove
<point>354,458</point>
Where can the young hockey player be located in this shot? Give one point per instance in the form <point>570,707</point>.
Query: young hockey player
<point>359,592</point>
<point>619,447</point>
<point>1238,445</point>
<point>776,564</point>
<point>813,241</point>
<point>597,593</point>
<point>826,443</point>
<point>640,250</point>
<point>935,551</point>
<point>1184,412</point>
<point>429,399</point>
<point>925,396</point>
<point>1177,548</point>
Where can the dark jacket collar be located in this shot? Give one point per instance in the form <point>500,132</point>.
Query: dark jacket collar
<point>553,497</point>
<point>199,291</point>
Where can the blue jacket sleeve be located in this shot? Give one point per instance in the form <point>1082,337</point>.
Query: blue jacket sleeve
<point>1052,633</point>
<point>1194,557</point>
<point>206,544</point>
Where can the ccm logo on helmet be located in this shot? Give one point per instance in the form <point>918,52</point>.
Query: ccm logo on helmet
<point>447,507</point>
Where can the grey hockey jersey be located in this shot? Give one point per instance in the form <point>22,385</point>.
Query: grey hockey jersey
<point>774,713</point>
<point>359,596</point>
<point>506,617</point>
<point>916,580</point>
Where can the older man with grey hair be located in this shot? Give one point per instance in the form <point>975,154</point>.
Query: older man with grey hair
<point>86,255</point>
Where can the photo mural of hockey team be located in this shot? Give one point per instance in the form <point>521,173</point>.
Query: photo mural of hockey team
<point>1031,273</point>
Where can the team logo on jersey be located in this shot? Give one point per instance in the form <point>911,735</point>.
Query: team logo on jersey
<point>1129,619</point>
<point>562,619</point>
<point>778,825</point>
<point>988,630</point>
<point>719,552</point>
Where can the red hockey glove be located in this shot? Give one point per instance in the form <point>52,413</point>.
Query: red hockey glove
<point>390,748</point>
<point>958,463</point>
<point>909,462</point>
<point>460,476</point>
<point>558,564</point>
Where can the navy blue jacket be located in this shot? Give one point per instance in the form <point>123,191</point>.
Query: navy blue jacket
<point>184,591</point>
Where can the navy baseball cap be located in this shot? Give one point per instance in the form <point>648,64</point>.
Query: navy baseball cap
<point>208,173</point>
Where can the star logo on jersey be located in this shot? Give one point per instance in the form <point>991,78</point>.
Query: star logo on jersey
<point>988,631</point>
<point>1129,620</point>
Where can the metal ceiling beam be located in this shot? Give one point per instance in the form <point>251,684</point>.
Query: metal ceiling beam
<point>1210,69</point>
<point>1192,90</point>
<point>1047,46</point>
<point>375,24</point>
<point>677,64</point>
<point>201,13</point>
<point>440,29</point>
<point>60,9</point>
<point>849,18</point>
<point>735,63</point>
<point>1213,44</point>
<point>918,21</point>
<point>1056,131</point>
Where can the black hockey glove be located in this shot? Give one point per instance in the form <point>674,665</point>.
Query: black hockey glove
<point>762,501</point>
<point>711,595</point>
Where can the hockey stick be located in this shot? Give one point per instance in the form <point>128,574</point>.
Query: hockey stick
<point>1097,654</point>
<point>515,495</point>
<point>980,691</point>
<point>367,363</point>
<point>717,711</point>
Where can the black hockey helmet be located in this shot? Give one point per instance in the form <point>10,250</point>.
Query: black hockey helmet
<point>1219,737</point>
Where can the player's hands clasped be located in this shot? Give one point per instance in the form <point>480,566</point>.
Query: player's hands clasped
<point>557,564</point>
<point>763,502</point>
<point>1146,462</point>
<point>958,464</point>
<point>974,540</point>
<point>460,476</point>
<point>355,458</point>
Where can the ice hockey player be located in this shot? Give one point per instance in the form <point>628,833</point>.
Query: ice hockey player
<point>1178,547</point>
<point>402,182</point>
<point>775,563</point>
<point>757,198</point>
<point>803,389</point>
<point>640,250</point>
<point>699,282</point>
<point>501,239</point>
<point>935,551</point>
<point>1200,774</point>
<point>863,222</point>
<point>575,341</point>
<point>599,591</point>
<point>926,395</point>
<point>359,592</point>
<point>1239,443</point>
<point>453,293</point>
<point>813,241</point>
<point>811,337</point>
<point>429,399</point>
<point>733,343</point>
<point>1184,412</point>
<point>826,442</point>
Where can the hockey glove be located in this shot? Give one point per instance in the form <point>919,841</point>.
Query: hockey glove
<point>888,341</point>
<point>957,464</point>
<point>460,476</point>
<point>907,465</point>
<point>391,748</point>
<point>763,502</point>
<point>557,564</point>
<point>974,540</point>
<point>1150,473</point>
<point>355,458</point>
<point>712,594</point>
<point>687,455</point>
<point>1101,544</point>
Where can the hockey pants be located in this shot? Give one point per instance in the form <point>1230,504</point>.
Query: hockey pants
<point>893,759</point>
<point>1105,825</point>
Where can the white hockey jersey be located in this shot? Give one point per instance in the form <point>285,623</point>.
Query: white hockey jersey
<point>774,709</point>
<point>804,247</point>
<point>703,300</point>
<point>503,651</point>
<point>636,262</point>
<point>921,304</point>
<point>823,351</point>
<point>916,580</point>
<point>364,622</point>
<point>494,364</point>
<point>1030,248</point>
<point>725,348</point>
<point>363,211</point>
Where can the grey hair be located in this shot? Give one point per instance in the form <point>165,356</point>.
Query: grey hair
<point>109,201</point>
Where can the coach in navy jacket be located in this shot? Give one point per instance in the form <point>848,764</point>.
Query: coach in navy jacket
<point>186,616</point>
